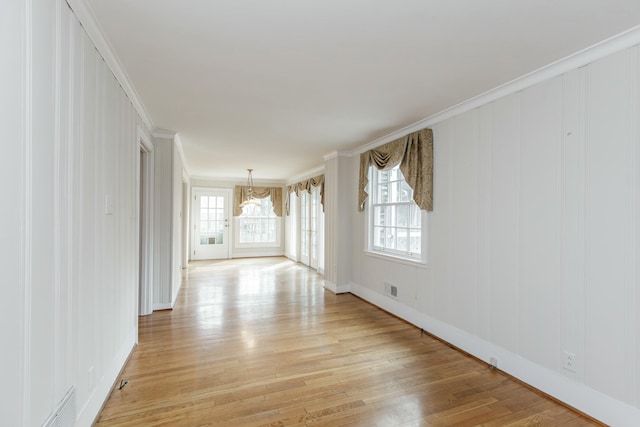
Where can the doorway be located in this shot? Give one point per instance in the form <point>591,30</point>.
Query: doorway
<point>310,227</point>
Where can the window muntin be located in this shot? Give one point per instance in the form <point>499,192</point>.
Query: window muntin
<point>258,224</point>
<point>395,219</point>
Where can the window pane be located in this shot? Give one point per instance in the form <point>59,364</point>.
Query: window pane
<point>416,216</point>
<point>258,223</point>
<point>390,238</point>
<point>378,215</point>
<point>395,218</point>
<point>378,237</point>
<point>403,215</point>
<point>389,215</point>
<point>402,239</point>
<point>394,174</point>
<point>383,193</point>
<point>416,241</point>
<point>406,193</point>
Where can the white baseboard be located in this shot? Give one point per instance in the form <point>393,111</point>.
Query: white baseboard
<point>91,410</point>
<point>292,257</point>
<point>257,254</point>
<point>175,295</point>
<point>163,306</point>
<point>592,402</point>
<point>337,289</point>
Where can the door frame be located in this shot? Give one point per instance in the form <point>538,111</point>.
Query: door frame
<point>186,220</point>
<point>316,263</point>
<point>145,178</point>
<point>303,228</point>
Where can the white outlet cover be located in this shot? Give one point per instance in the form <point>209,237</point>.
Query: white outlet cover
<point>570,362</point>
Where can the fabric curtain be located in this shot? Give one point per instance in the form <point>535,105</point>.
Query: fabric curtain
<point>298,187</point>
<point>414,153</point>
<point>241,193</point>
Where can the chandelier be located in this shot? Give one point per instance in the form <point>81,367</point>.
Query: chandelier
<point>250,201</point>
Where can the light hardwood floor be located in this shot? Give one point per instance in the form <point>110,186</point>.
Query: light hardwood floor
<point>259,342</point>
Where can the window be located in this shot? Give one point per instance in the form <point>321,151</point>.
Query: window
<point>258,224</point>
<point>212,221</point>
<point>395,221</point>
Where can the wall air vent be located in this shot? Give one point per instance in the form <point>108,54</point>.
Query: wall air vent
<point>390,290</point>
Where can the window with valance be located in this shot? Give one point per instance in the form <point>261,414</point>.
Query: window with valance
<point>414,154</point>
<point>306,185</point>
<point>401,174</point>
<point>241,193</point>
<point>258,224</point>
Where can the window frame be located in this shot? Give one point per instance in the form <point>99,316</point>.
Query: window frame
<point>372,202</point>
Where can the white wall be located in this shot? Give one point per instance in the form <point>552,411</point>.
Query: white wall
<point>12,219</point>
<point>339,204</point>
<point>177,225</point>
<point>534,238</point>
<point>162,222</point>
<point>70,232</point>
<point>168,173</point>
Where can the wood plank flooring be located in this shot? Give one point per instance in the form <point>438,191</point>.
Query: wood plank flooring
<point>259,342</point>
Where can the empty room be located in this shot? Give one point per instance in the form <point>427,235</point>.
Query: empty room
<point>328,213</point>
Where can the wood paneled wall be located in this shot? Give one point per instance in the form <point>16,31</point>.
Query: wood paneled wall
<point>534,238</point>
<point>71,217</point>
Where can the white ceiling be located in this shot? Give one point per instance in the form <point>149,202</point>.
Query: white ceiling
<point>276,84</point>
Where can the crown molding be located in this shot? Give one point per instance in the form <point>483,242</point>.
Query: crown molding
<point>175,137</point>
<point>213,181</point>
<point>88,20</point>
<point>330,156</point>
<point>306,175</point>
<point>185,165</point>
<point>144,139</point>
<point>334,154</point>
<point>164,134</point>
<point>576,60</point>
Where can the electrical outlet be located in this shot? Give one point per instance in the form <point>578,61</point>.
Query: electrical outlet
<point>570,362</point>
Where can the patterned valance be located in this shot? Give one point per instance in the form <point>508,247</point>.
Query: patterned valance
<point>316,181</point>
<point>241,193</point>
<point>414,153</point>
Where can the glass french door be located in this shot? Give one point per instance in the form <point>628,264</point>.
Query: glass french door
<point>309,222</point>
<point>211,223</point>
